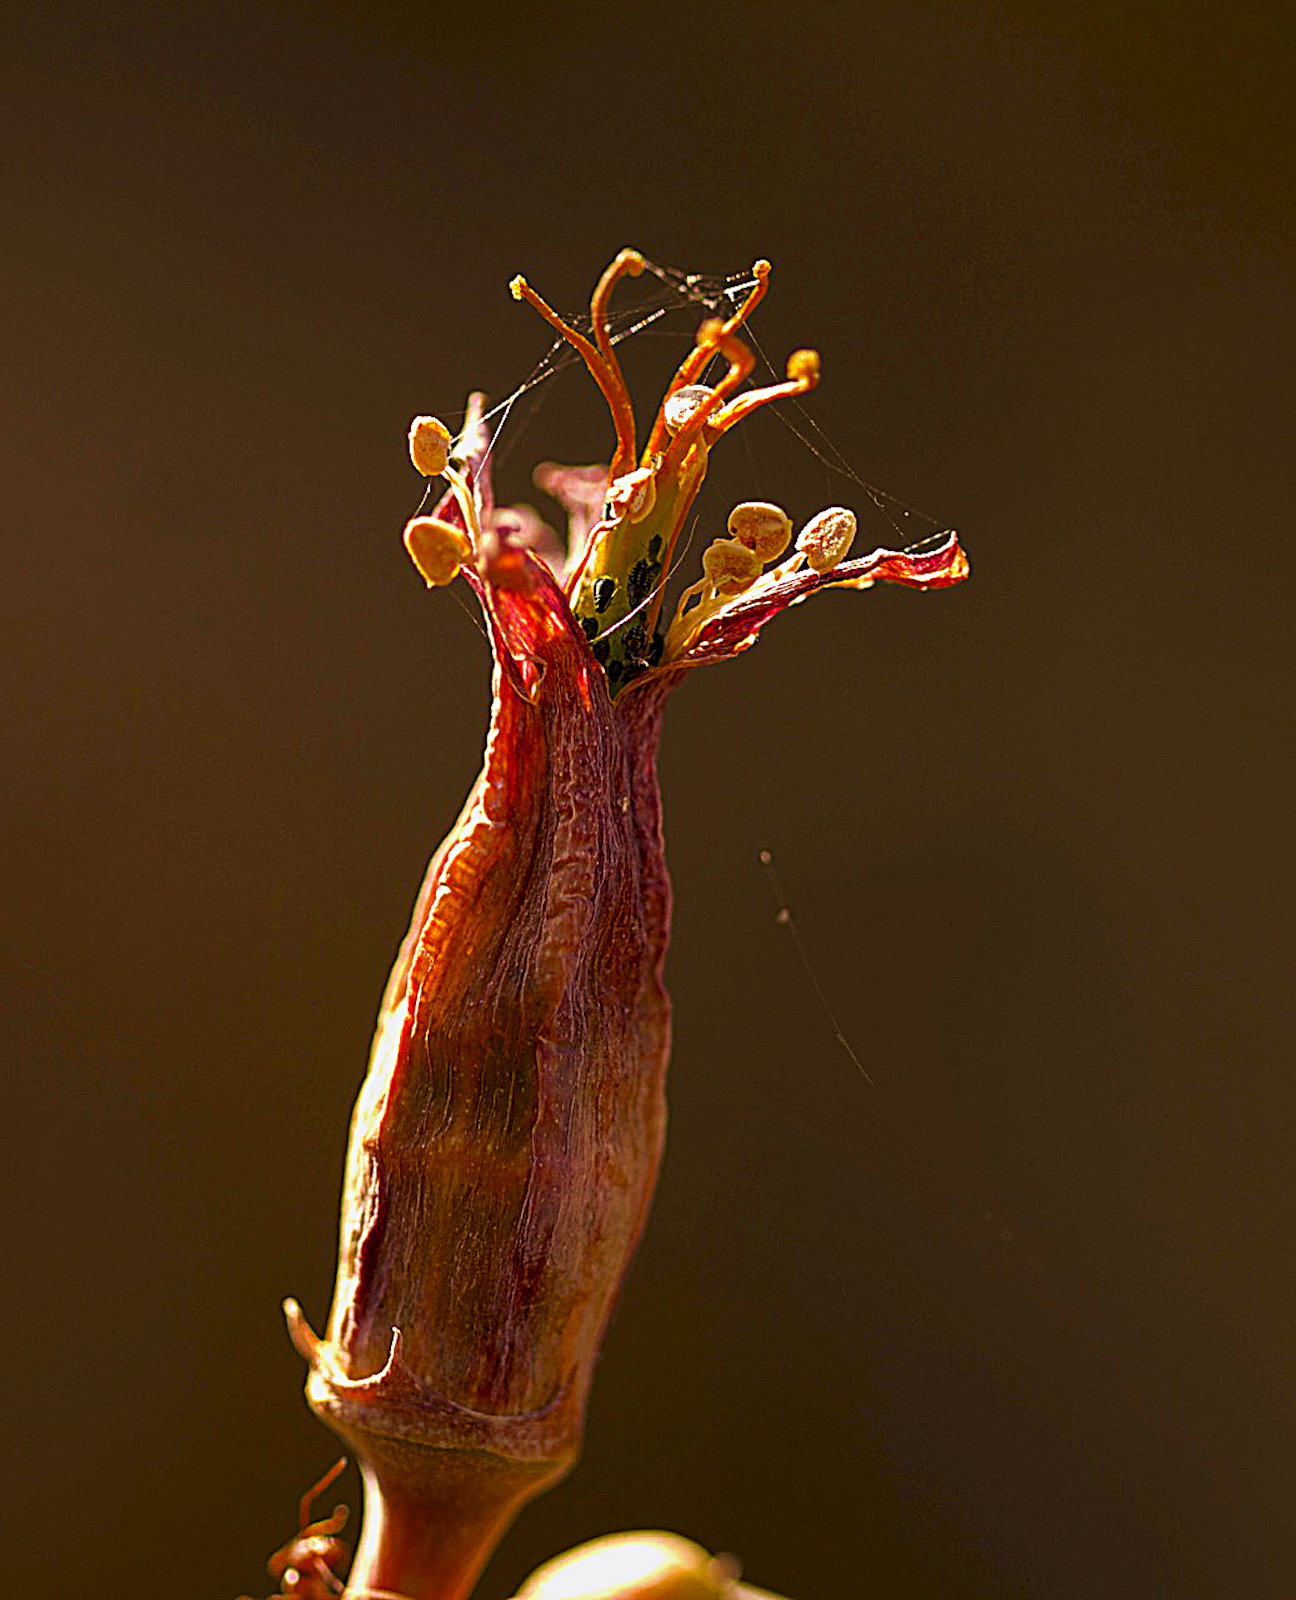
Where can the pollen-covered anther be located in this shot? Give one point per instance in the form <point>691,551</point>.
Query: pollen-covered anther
<point>765,529</point>
<point>683,404</point>
<point>803,367</point>
<point>825,539</point>
<point>730,566</point>
<point>438,549</point>
<point>429,443</point>
<point>634,494</point>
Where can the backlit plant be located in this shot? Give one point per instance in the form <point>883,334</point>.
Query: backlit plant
<point>506,1139</point>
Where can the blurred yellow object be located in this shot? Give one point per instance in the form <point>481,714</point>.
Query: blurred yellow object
<point>639,1566</point>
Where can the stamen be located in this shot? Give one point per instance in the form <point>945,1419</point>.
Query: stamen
<point>429,444</point>
<point>606,373</point>
<point>678,408</point>
<point>802,376</point>
<point>438,549</point>
<point>694,364</point>
<point>741,361</point>
<point>634,495</point>
<point>765,529</point>
<point>825,539</point>
<point>467,502</point>
<point>730,566</point>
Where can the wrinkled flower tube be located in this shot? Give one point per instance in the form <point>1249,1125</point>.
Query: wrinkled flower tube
<point>506,1139</point>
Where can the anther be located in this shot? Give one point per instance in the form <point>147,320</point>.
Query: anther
<point>438,549</point>
<point>683,404</point>
<point>803,367</point>
<point>429,444</point>
<point>825,539</point>
<point>730,566</point>
<point>632,495</point>
<point>765,529</point>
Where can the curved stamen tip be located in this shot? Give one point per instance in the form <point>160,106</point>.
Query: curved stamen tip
<point>518,287</point>
<point>709,334</point>
<point>761,268</point>
<point>629,260</point>
<point>803,366</point>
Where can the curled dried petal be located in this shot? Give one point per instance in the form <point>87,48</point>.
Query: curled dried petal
<point>580,491</point>
<point>734,628</point>
<point>524,527</point>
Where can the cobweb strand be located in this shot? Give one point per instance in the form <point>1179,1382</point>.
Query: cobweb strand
<point>714,295</point>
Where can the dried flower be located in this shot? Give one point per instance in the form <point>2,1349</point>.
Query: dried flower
<point>506,1140</point>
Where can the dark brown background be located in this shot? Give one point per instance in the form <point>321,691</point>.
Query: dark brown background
<point>1032,829</point>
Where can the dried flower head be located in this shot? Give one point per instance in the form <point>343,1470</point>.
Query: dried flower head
<point>506,1139</point>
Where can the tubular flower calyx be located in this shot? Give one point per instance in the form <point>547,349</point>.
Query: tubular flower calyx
<point>506,1139</point>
